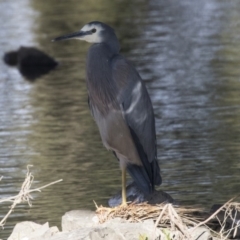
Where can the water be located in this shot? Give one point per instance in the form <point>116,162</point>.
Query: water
<point>187,52</point>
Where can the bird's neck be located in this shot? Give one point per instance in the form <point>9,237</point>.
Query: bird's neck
<point>114,46</point>
<point>101,87</point>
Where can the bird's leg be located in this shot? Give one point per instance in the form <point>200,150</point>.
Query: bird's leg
<point>124,194</point>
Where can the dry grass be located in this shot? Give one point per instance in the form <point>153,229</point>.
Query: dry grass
<point>229,220</point>
<point>164,216</point>
<point>23,195</point>
<point>182,221</point>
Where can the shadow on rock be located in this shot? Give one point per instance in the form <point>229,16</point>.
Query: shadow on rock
<point>136,195</point>
<point>31,62</point>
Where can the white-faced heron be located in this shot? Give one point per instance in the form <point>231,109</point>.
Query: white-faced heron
<point>121,107</point>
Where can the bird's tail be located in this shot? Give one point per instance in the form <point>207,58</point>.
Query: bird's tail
<point>141,178</point>
<point>147,175</point>
<point>145,180</point>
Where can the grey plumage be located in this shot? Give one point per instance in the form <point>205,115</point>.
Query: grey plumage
<point>120,105</point>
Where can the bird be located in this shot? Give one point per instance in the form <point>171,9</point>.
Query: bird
<point>121,107</point>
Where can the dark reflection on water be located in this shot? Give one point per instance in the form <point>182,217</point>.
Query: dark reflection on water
<point>188,53</point>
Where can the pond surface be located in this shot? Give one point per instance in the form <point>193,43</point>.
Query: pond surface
<point>187,52</point>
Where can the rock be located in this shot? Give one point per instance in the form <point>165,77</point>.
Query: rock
<point>50,232</point>
<point>85,229</point>
<point>80,234</point>
<point>28,230</point>
<point>113,229</point>
<point>31,62</point>
<point>77,219</point>
<point>200,233</point>
<point>84,225</point>
<point>105,233</point>
<point>167,234</point>
<point>11,58</point>
<point>133,231</point>
<point>160,197</point>
<point>134,194</point>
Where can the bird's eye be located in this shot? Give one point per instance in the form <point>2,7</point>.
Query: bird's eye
<point>93,30</point>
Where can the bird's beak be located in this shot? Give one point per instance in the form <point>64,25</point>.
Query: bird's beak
<point>71,35</point>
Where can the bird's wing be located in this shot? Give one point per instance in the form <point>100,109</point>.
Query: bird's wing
<point>136,106</point>
<point>90,107</point>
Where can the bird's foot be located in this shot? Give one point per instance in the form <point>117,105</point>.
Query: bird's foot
<point>124,204</point>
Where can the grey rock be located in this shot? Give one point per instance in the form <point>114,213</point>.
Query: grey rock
<point>84,234</point>
<point>105,233</point>
<point>133,230</point>
<point>77,219</point>
<point>31,62</point>
<point>80,234</point>
<point>83,229</point>
<point>30,230</point>
<point>116,228</point>
<point>200,233</point>
<point>134,194</point>
<point>83,225</point>
<point>51,232</point>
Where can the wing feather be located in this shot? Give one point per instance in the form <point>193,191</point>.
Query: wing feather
<point>138,113</point>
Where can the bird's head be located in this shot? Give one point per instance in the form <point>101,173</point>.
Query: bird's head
<point>93,32</point>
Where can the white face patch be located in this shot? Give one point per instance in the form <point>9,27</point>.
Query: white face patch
<point>93,37</point>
